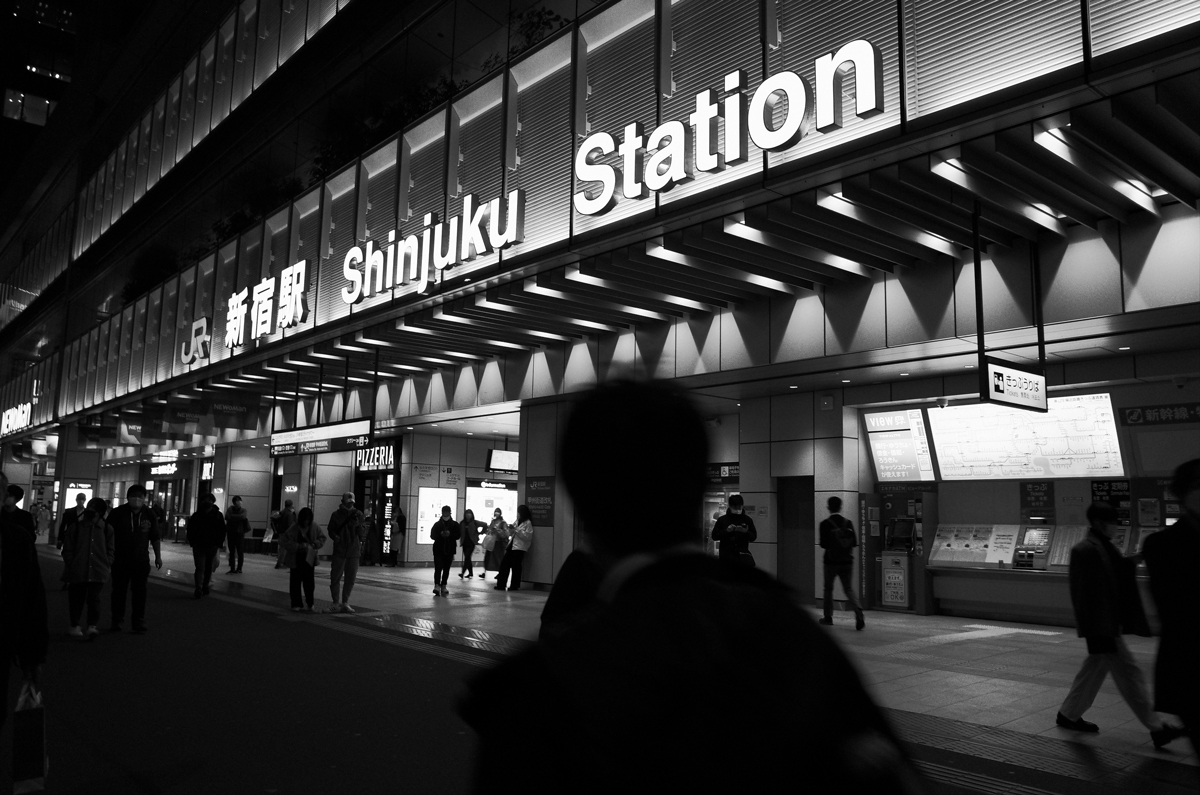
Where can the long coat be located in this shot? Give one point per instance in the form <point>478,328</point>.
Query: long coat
<point>1104,592</point>
<point>88,550</point>
<point>1171,556</point>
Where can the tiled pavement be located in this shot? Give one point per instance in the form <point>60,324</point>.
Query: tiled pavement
<point>975,700</point>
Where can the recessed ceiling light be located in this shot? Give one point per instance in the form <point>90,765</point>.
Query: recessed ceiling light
<point>409,428</point>
<point>845,380</point>
<point>495,431</point>
<point>904,374</point>
<point>970,366</point>
<point>793,387</point>
<point>470,434</point>
<point>460,422</point>
<point>1124,348</point>
<point>434,425</point>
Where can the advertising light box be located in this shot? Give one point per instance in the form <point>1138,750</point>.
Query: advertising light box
<point>1075,438</point>
<point>899,446</point>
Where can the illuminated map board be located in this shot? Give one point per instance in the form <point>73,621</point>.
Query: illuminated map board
<point>899,445</point>
<point>1076,438</point>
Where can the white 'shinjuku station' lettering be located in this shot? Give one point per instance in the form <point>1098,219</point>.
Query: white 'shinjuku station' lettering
<point>266,313</point>
<point>420,257</point>
<point>679,150</point>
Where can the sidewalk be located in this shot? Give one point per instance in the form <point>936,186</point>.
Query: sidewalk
<point>974,700</point>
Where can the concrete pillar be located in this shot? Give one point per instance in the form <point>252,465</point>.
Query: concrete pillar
<point>540,477</point>
<point>835,472</point>
<point>74,463</point>
<point>758,487</point>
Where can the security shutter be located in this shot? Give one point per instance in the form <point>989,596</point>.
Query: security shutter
<point>480,160</point>
<point>337,238</point>
<point>377,209</point>
<point>1118,23</point>
<point>305,238</point>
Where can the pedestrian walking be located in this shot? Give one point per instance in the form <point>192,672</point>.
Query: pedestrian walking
<point>445,534</point>
<point>205,529</point>
<point>302,542</point>
<point>88,551</point>
<point>65,520</point>
<point>470,539</point>
<point>1105,597</point>
<point>24,632</point>
<point>280,522</point>
<point>837,539</point>
<point>1170,558</point>
<point>347,529</point>
<point>494,542</point>
<point>237,524</point>
<point>735,530</point>
<point>519,542</point>
<point>135,530</point>
<point>628,686</point>
<point>42,517</point>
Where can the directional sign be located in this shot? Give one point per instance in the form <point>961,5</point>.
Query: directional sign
<point>335,438</point>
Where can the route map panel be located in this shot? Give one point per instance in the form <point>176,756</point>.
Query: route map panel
<point>1076,438</point>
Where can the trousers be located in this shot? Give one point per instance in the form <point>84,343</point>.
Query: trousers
<point>441,568</point>
<point>841,572</point>
<point>513,559</point>
<point>342,567</point>
<point>125,578</point>
<point>80,592</point>
<point>467,566</point>
<point>205,559</point>
<point>302,577</point>
<point>235,541</point>
<point>1127,676</point>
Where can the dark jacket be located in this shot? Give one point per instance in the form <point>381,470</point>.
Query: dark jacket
<point>88,549</point>
<point>445,546</point>
<point>1104,592</point>
<point>237,520</point>
<point>574,589</point>
<point>347,528</point>
<point>632,680</point>
<point>206,528</point>
<point>837,539</point>
<point>470,533</point>
<point>1171,556</point>
<point>132,534</point>
<point>23,619</point>
<point>733,544</point>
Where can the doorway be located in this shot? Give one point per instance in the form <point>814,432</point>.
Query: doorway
<point>797,537</point>
<point>374,493</point>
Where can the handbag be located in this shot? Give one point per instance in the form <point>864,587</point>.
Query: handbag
<point>489,542</point>
<point>29,740</point>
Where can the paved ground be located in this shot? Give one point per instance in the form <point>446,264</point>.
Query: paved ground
<point>235,693</point>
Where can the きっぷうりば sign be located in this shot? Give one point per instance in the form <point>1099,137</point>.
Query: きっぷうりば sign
<point>1013,386</point>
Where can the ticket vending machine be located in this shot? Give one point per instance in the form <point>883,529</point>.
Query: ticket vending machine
<point>897,590</point>
<point>908,521</point>
<point>1033,547</point>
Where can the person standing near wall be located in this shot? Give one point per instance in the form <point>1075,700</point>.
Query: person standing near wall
<point>1107,605</point>
<point>88,551</point>
<point>495,542</point>
<point>514,556</point>
<point>735,530</point>
<point>1171,556</point>
<point>399,530</point>
<point>24,632</point>
<point>837,539</point>
<point>237,524</point>
<point>445,534</point>
<point>135,529</point>
<point>280,522</point>
<point>470,538</point>
<point>347,529</point>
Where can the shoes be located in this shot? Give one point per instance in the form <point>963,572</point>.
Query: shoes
<point>140,628</point>
<point>92,632</point>
<point>239,570</point>
<point>199,593</point>
<point>347,608</point>
<point>309,609</point>
<point>437,591</point>
<point>1165,735</point>
<point>460,575</point>
<point>232,571</point>
<point>827,622</point>
<point>279,565</point>
<point>297,609</point>
<point>334,608</point>
<point>859,621</point>
<point>1080,725</point>
<point>75,632</point>
<point>500,588</point>
<point>469,576</point>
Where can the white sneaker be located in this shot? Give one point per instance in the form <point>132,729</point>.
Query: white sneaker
<point>347,608</point>
<point>93,631</point>
<point>297,609</point>
<point>75,632</point>
<point>334,608</point>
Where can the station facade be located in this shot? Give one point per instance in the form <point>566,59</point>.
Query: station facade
<point>829,223</point>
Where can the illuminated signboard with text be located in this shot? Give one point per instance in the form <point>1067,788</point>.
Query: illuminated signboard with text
<point>339,437</point>
<point>899,445</point>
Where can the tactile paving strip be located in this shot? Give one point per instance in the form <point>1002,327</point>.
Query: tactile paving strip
<point>475,640</point>
<point>974,781</point>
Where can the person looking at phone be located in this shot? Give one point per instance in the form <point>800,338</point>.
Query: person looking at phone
<point>735,530</point>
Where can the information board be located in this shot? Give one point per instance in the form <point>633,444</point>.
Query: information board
<point>1065,537</point>
<point>972,545</point>
<point>539,496</point>
<point>1116,493</point>
<point>429,510</point>
<point>1003,544</point>
<point>1077,437</point>
<point>899,445</point>
<point>1037,501</point>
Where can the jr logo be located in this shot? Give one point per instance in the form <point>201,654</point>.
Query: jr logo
<point>196,346</point>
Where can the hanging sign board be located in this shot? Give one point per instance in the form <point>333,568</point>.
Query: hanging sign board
<point>1010,385</point>
<point>339,437</point>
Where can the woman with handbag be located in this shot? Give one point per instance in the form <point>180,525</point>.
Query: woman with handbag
<point>301,543</point>
<point>494,542</point>
<point>470,539</point>
<point>518,544</point>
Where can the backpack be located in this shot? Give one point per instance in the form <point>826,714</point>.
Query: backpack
<point>843,533</point>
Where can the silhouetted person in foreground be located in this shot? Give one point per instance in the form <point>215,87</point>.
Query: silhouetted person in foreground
<point>683,674</point>
<point>1171,556</point>
<point>1107,605</point>
<point>24,633</point>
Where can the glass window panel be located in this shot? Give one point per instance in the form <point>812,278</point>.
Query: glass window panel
<point>156,142</point>
<point>143,160</point>
<point>267,56</point>
<point>205,90</point>
<point>187,111</point>
<point>118,184</point>
<point>223,79</point>
<point>183,318</point>
<point>171,126</point>
<point>131,163</point>
<point>243,61</point>
<point>113,352</point>
<point>291,29</point>
<point>139,344</point>
<point>166,329</point>
<point>150,353</point>
<point>305,235</point>
<point>110,177</point>
<point>319,14</point>
<point>125,362</point>
<point>225,287</point>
